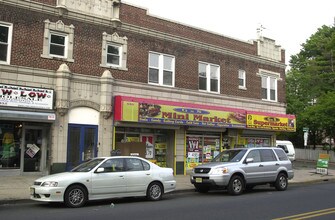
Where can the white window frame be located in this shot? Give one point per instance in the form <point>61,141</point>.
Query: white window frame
<point>119,55</point>
<point>65,44</point>
<point>208,76</point>
<point>161,69</point>
<point>9,42</point>
<point>58,28</point>
<point>242,76</point>
<point>116,41</point>
<point>268,76</point>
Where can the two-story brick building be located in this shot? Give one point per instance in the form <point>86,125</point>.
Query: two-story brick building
<point>83,78</point>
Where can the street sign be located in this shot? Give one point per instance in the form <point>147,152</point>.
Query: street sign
<point>322,164</point>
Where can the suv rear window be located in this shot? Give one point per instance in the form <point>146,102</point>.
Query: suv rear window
<point>281,154</point>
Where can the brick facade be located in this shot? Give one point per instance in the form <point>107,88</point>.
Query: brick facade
<point>86,83</point>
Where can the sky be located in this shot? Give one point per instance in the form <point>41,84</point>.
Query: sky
<point>289,22</point>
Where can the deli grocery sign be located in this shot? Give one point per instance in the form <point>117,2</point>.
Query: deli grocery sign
<point>26,97</point>
<point>133,109</point>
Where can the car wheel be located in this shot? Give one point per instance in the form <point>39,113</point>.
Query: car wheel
<point>235,186</point>
<point>281,182</point>
<point>75,196</point>
<point>155,191</point>
<point>202,189</point>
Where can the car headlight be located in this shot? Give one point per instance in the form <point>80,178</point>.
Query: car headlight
<point>218,171</point>
<point>50,184</point>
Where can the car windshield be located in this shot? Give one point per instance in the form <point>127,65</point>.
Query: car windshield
<point>230,155</point>
<point>88,165</point>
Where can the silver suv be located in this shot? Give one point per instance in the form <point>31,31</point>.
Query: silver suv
<point>244,168</point>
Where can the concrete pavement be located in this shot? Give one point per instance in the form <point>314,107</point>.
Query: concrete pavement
<point>14,188</point>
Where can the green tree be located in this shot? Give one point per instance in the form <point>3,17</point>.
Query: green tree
<point>310,87</point>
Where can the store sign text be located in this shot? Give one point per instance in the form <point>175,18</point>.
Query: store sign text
<point>271,123</point>
<point>20,96</point>
<point>165,114</point>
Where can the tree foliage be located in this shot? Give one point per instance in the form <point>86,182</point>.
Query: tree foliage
<point>310,86</point>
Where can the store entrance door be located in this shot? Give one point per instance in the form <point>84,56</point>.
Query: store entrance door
<point>35,145</point>
<point>82,144</point>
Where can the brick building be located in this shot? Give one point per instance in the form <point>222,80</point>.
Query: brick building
<point>83,78</point>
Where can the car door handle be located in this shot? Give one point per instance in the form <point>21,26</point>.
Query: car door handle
<point>148,174</point>
<point>121,176</point>
<point>261,165</point>
<point>277,164</point>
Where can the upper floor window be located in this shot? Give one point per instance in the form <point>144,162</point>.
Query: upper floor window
<point>269,88</point>
<point>241,79</point>
<point>58,45</point>
<point>114,51</point>
<point>269,84</point>
<point>209,77</point>
<point>161,69</point>
<point>58,41</point>
<point>5,42</point>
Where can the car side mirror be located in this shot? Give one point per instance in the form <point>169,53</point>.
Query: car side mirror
<point>100,170</point>
<point>249,160</point>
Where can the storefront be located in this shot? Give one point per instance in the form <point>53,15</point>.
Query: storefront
<point>191,134</point>
<point>25,120</point>
<point>154,144</point>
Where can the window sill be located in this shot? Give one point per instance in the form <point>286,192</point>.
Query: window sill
<point>205,91</point>
<point>57,58</point>
<point>156,84</point>
<point>4,63</point>
<point>267,100</point>
<point>242,87</point>
<point>114,67</point>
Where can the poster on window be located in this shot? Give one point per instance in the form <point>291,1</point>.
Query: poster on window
<point>32,150</point>
<point>148,140</point>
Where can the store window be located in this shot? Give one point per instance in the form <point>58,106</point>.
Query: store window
<point>5,42</point>
<point>254,142</point>
<point>201,148</point>
<point>152,144</point>
<point>10,137</point>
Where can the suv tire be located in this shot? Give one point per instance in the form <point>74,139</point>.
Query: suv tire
<point>281,182</point>
<point>236,185</point>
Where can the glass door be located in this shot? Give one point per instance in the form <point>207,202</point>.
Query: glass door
<point>82,144</point>
<point>33,142</point>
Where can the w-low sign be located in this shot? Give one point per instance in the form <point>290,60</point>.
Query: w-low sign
<point>322,164</point>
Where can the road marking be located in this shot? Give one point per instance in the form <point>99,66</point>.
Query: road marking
<point>307,215</point>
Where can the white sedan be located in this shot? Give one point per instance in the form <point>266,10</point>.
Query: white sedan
<point>105,178</point>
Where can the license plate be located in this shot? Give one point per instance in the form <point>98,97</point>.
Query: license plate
<point>32,191</point>
<point>198,180</point>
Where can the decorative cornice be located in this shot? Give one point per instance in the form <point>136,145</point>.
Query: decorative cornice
<point>52,10</point>
<point>198,44</point>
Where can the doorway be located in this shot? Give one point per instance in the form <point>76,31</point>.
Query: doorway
<point>35,148</point>
<point>82,144</point>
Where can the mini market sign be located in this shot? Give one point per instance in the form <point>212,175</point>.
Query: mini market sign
<point>132,109</point>
<point>176,113</point>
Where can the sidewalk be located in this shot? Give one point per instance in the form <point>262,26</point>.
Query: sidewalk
<point>17,187</point>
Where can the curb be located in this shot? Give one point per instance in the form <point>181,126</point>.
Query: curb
<point>308,182</point>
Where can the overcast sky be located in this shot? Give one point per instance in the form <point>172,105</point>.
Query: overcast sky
<point>289,22</point>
